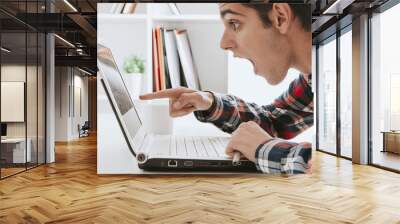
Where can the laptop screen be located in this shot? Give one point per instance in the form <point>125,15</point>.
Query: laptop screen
<point>110,72</point>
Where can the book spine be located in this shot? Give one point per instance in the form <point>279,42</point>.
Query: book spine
<point>172,58</point>
<point>156,85</point>
<point>185,54</point>
<point>161,59</point>
<point>166,69</point>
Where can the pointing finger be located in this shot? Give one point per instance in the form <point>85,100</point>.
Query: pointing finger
<point>168,93</point>
<point>158,95</point>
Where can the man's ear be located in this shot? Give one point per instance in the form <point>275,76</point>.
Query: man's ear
<point>281,17</point>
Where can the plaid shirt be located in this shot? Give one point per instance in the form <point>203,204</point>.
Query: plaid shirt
<point>289,115</point>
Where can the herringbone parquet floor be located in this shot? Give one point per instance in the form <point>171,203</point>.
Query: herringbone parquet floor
<point>70,191</point>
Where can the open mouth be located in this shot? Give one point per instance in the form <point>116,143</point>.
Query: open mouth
<point>251,61</point>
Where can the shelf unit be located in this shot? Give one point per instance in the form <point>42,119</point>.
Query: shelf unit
<point>131,34</point>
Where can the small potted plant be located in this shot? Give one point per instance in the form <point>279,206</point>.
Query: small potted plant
<point>134,68</point>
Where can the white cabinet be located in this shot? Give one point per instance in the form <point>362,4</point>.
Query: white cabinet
<point>17,146</point>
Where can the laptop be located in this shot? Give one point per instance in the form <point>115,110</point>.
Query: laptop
<point>161,152</point>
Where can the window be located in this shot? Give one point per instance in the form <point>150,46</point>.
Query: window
<point>22,75</point>
<point>335,74</point>
<point>327,96</point>
<point>346,93</point>
<point>385,89</point>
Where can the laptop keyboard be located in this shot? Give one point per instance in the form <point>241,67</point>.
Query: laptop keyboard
<point>189,146</point>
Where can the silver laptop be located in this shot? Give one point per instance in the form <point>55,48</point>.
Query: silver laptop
<point>161,152</point>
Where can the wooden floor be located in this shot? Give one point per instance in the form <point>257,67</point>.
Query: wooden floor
<point>5,172</point>
<point>387,159</point>
<point>70,191</point>
<point>10,171</point>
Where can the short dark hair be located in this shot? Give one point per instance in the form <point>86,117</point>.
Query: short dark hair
<point>301,11</point>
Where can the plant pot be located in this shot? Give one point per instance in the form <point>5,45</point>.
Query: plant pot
<point>134,81</point>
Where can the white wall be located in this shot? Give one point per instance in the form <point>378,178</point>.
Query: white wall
<point>14,73</point>
<point>17,73</point>
<point>61,103</point>
<point>68,81</point>
<point>12,101</point>
<point>81,83</point>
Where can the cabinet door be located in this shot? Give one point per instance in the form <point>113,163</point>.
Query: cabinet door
<point>393,142</point>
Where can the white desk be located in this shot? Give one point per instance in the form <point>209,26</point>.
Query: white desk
<point>18,149</point>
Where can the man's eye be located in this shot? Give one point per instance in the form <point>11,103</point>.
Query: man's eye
<point>234,25</point>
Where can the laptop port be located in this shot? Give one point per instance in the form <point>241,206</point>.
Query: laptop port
<point>213,163</point>
<point>172,163</point>
<point>225,163</point>
<point>188,163</point>
<point>203,164</point>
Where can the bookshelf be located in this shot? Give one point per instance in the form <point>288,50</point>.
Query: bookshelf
<point>131,34</point>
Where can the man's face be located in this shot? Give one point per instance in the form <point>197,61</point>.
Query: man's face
<point>247,37</point>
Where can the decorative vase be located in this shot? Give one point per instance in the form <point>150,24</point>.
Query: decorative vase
<point>134,81</point>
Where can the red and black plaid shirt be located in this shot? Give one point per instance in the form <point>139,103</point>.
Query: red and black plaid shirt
<point>289,115</point>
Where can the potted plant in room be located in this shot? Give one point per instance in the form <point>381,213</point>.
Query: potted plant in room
<point>134,68</point>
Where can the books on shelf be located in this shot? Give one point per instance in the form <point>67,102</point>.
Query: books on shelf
<point>185,54</point>
<point>123,8</point>
<point>173,61</point>
<point>167,78</point>
<point>156,81</point>
<point>161,66</point>
<point>173,64</point>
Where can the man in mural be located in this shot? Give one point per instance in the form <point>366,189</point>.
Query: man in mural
<point>274,38</point>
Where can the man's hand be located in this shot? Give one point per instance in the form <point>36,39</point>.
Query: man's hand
<point>246,138</point>
<point>182,100</point>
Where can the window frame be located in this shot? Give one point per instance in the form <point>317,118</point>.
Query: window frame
<point>347,27</point>
<point>31,30</point>
<point>378,10</point>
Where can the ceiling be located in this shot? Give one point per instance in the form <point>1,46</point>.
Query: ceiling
<point>74,21</point>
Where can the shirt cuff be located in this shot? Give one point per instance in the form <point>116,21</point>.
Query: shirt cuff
<point>214,112</point>
<point>282,157</point>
